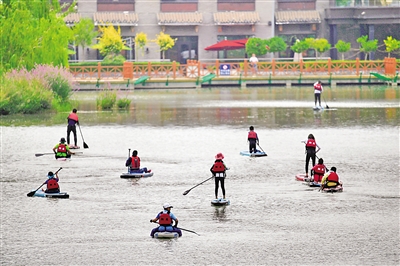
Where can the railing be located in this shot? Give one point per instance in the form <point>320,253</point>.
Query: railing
<point>194,69</point>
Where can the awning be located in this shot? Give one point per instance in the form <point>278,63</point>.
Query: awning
<point>236,18</point>
<point>297,17</point>
<point>72,19</point>
<point>116,18</point>
<point>180,18</point>
<point>227,45</point>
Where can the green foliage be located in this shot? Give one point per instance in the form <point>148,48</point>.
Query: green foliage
<point>141,40</point>
<point>343,47</point>
<point>165,42</point>
<point>110,42</point>
<point>367,46</point>
<point>123,103</point>
<point>106,99</point>
<point>32,32</point>
<point>276,44</point>
<point>321,45</point>
<point>300,46</point>
<point>114,60</point>
<point>391,44</point>
<point>84,33</point>
<point>256,46</point>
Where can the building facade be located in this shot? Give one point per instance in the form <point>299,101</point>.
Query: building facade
<point>196,24</point>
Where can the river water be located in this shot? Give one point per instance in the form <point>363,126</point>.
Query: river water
<point>272,219</point>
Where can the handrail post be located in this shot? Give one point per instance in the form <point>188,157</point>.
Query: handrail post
<point>357,66</point>
<point>174,70</point>
<point>149,69</point>
<point>98,70</point>
<point>217,67</point>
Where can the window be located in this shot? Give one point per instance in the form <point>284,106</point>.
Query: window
<point>236,5</point>
<point>186,47</point>
<point>115,5</point>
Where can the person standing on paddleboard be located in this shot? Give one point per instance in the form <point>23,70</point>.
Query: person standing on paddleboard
<point>165,219</point>
<point>218,169</point>
<point>317,93</point>
<point>72,121</point>
<point>311,150</point>
<point>252,138</point>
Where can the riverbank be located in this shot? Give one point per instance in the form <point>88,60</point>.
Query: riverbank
<point>231,81</point>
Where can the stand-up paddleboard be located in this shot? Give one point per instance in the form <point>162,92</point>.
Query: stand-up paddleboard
<point>63,159</point>
<point>59,195</point>
<point>136,175</point>
<point>302,177</point>
<point>220,202</point>
<point>253,154</point>
<point>74,147</point>
<point>318,108</point>
<point>166,235</point>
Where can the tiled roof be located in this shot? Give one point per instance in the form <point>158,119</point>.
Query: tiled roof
<point>181,18</point>
<point>116,18</point>
<point>297,17</point>
<point>72,18</point>
<point>236,18</point>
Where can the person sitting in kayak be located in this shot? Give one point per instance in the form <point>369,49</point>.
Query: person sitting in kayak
<point>318,171</point>
<point>134,164</point>
<point>218,170</point>
<point>52,183</point>
<point>61,150</point>
<point>252,138</point>
<point>330,179</point>
<point>165,219</point>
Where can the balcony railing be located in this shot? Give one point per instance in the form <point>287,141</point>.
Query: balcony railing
<point>365,3</point>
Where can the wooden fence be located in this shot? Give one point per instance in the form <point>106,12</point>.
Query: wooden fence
<point>196,69</point>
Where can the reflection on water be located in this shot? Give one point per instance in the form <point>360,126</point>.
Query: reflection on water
<point>273,107</point>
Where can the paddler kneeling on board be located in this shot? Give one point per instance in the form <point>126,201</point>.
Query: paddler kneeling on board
<point>165,219</point>
<point>330,179</point>
<point>134,164</point>
<point>61,150</point>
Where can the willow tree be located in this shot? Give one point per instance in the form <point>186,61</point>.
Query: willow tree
<point>84,34</point>
<point>32,32</point>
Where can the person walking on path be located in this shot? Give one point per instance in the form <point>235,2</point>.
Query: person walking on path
<point>317,93</point>
<point>311,150</point>
<point>72,121</point>
<point>253,63</point>
<point>218,170</point>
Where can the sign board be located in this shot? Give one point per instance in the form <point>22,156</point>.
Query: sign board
<point>224,70</point>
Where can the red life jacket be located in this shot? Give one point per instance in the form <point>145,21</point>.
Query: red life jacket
<point>135,164</point>
<point>52,184</point>
<point>252,135</point>
<point>318,87</point>
<point>333,177</point>
<point>319,171</point>
<point>311,143</point>
<point>218,167</point>
<point>62,148</point>
<point>164,219</point>
<point>73,116</point>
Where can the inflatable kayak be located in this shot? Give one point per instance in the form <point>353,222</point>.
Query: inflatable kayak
<point>136,175</point>
<point>338,188</point>
<point>166,234</point>
<point>256,154</point>
<point>60,195</point>
<point>220,202</point>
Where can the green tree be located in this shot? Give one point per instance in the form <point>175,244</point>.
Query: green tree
<point>300,46</point>
<point>276,44</point>
<point>33,32</point>
<point>141,40</point>
<point>321,45</point>
<point>84,34</point>
<point>343,47</point>
<point>110,42</point>
<point>165,42</point>
<point>391,44</point>
<point>256,46</point>
<point>367,46</point>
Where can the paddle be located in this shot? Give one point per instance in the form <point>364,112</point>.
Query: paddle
<point>179,228</point>
<point>49,153</point>
<point>85,146</point>
<point>187,191</point>
<point>327,107</point>
<point>30,194</point>
<point>262,149</point>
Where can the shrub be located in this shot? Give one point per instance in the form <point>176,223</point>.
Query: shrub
<point>106,99</point>
<point>123,103</point>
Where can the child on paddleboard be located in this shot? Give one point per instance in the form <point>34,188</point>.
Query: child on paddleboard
<point>218,169</point>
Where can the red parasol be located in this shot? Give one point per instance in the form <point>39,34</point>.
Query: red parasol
<point>227,45</point>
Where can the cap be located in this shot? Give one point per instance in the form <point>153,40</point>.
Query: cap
<point>219,156</point>
<point>50,174</point>
<point>167,205</point>
<point>333,169</point>
<point>62,140</point>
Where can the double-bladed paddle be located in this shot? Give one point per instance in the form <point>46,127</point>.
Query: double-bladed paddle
<point>30,194</point>
<point>49,153</point>
<point>151,221</point>
<point>187,191</point>
<point>85,146</point>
